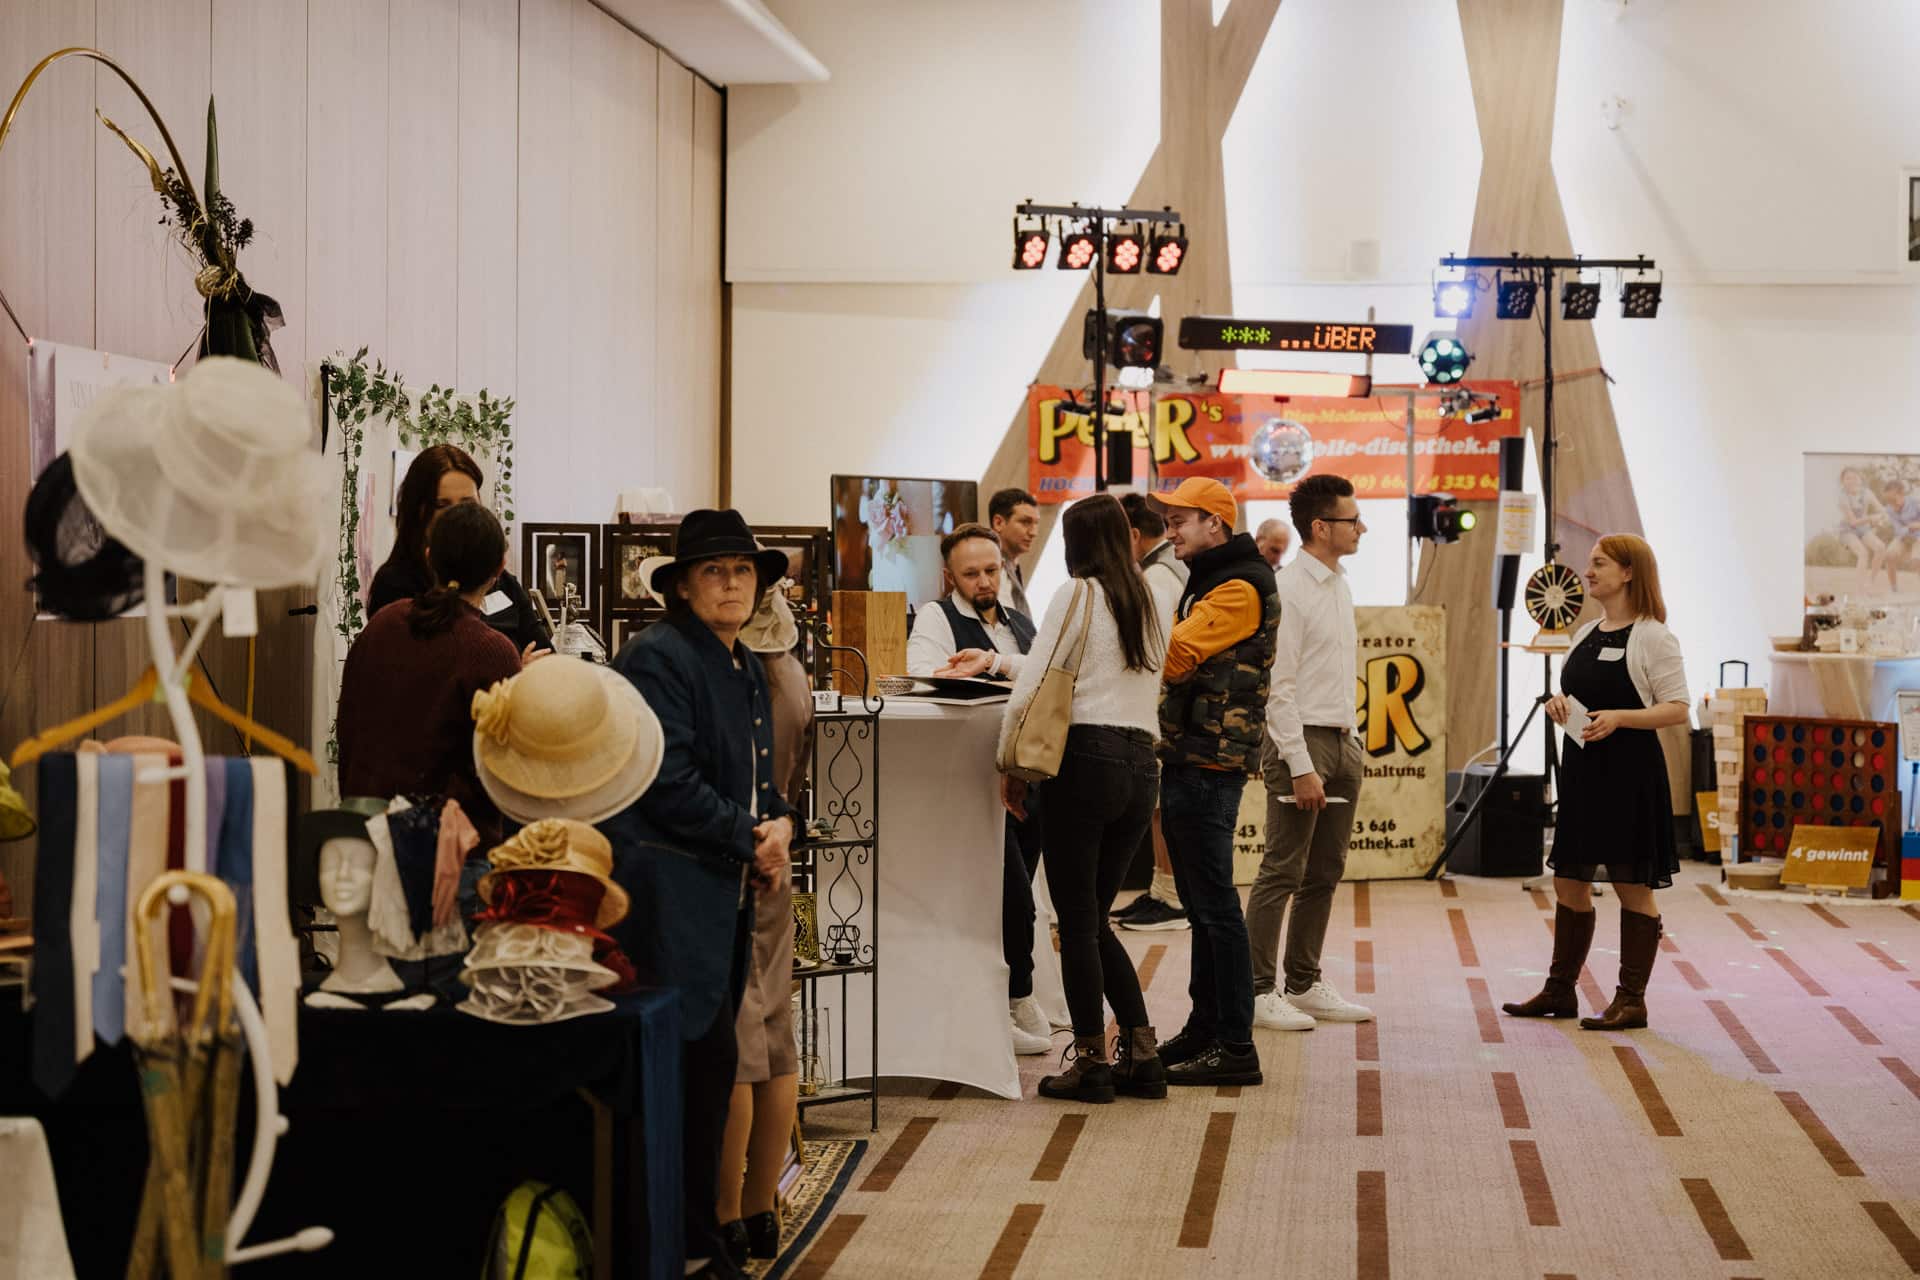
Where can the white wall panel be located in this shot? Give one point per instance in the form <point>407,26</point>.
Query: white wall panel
<point>489,73</point>
<point>544,418</point>
<point>678,453</point>
<point>347,198</point>
<point>704,362</point>
<point>423,190</point>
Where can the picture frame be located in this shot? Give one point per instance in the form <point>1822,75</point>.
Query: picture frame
<point>554,557</point>
<point>1909,258</point>
<point>624,548</point>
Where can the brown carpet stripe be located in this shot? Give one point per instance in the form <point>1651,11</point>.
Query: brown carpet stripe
<point>945,1091</point>
<point>1590,988</point>
<point>1196,1227</point>
<point>1713,895</point>
<point>1668,945</point>
<point>1713,1216</point>
<point>1661,1117</point>
<point>1746,926</point>
<point>1483,1012</point>
<point>1053,1161</point>
<point>1513,1107</point>
<point>1229,1091</point>
<point>1897,1232</point>
<point>1362,906</point>
<point>1914,983</point>
<point>1534,1189</point>
<point>1007,1251</point>
<point>1743,1038</point>
<point>1904,1074</point>
<point>1366,1041</point>
<point>899,1153</point>
<point>1368,1121</point>
<point>1150,964</point>
<point>1800,975</point>
<point>1828,916</point>
<point>1912,911</point>
<point>1817,1133</point>
<point>1363,966</point>
<point>1691,974</point>
<point>1541,900</point>
<point>1448,889</point>
<point>1370,1225</point>
<point>827,1246</point>
<point>1883,957</point>
<point>1846,1019</point>
<point>1462,940</point>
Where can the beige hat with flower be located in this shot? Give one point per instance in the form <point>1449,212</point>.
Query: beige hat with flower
<point>560,844</point>
<point>565,738</point>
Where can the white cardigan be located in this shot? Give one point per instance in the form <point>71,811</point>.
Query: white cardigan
<point>1653,660</point>
<point>1105,692</point>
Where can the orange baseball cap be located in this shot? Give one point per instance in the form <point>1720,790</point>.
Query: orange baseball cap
<point>1202,494</point>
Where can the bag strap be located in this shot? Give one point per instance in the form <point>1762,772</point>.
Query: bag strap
<point>1072,603</point>
<point>527,1231</point>
<point>1086,627</point>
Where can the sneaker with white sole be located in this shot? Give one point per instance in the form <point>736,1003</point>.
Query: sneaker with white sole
<point>1031,1031</point>
<point>1321,1002</point>
<point>1269,1010</point>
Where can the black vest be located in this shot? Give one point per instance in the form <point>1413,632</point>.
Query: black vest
<point>971,633</point>
<point>1216,716</point>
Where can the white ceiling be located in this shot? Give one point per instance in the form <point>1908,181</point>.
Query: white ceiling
<point>727,41</point>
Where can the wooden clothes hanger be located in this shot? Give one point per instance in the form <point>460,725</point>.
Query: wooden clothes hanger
<point>145,689</point>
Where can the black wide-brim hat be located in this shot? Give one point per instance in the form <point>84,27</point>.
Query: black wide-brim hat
<point>704,535</point>
<point>312,830</point>
<point>80,570</point>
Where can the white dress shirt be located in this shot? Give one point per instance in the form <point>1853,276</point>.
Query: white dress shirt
<point>1313,659</point>
<point>932,642</point>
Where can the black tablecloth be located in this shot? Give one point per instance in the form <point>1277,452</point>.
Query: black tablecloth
<point>406,1132</point>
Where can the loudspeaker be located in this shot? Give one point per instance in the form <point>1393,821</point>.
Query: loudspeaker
<point>1508,835</point>
<point>1506,569</point>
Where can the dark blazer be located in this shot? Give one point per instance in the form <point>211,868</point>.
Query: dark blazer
<point>399,579</point>
<point>683,849</point>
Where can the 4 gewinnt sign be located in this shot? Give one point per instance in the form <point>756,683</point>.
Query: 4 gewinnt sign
<point>1230,333</point>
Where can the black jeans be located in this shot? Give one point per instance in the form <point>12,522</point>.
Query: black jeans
<point>1198,811</point>
<point>1097,808</point>
<point>707,1067</point>
<point>1021,858</point>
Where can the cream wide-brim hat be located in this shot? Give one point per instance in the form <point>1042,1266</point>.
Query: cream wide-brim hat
<point>617,776</point>
<point>772,628</point>
<point>531,996</point>
<point>524,946</point>
<point>210,477</point>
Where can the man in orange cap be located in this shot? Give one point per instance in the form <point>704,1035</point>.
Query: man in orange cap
<point>1212,707</point>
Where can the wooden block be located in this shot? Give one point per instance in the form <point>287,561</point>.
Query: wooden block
<point>875,623</point>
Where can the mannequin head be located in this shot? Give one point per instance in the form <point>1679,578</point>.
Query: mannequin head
<point>346,876</point>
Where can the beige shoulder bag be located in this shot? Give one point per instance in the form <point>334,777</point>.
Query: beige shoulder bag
<point>1039,739</point>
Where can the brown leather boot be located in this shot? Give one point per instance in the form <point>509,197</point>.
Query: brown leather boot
<point>1137,1069</point>
<point>1088,1079</point>
<point>1572,935</point>
<point>1639,944</point>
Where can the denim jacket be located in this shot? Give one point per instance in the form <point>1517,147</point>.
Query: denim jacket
<point>681,851</point>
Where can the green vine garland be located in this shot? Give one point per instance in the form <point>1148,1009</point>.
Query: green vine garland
<point>480,424</point>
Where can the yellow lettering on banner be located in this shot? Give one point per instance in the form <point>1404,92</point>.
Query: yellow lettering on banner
<point>1054,425</point>
<point>1172,417</point>
<point>1384,693</point>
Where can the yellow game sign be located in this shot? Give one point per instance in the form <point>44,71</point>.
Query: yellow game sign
<point>1831,857</point>
<point>1708,805</point>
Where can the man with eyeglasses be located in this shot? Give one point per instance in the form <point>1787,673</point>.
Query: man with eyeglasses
<point>1313,757</point>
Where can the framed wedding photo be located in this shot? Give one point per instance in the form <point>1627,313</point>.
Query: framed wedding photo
<point>556,559</point>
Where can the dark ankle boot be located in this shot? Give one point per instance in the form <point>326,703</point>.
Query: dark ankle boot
<point>1639,944</point>
<point>1572,935</point>
<point>1137,1069</point>
<point>763,1234</point>
<point>1088,1079</point>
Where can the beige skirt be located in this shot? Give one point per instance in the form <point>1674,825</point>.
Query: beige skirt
<point>764,1028</point>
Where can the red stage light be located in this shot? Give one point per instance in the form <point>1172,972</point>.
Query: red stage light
<point>1125,253</point>
<point>1076,252</point>
<point>1168,254</point>
<point>1030,250</point>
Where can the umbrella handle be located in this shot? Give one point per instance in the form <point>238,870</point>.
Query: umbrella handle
<point>213,1005</point>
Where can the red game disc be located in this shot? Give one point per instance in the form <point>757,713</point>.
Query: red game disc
<point>1819,779</point>
<point>1779,777</point>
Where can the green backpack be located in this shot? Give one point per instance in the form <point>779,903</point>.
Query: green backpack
<point>539,1234</point>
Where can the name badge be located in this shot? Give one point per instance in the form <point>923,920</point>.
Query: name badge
<point>1612,655</point>
<point>495,602</point>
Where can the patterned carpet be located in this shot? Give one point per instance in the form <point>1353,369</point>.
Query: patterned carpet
<point>1766,1124</point>
<point>829,1165</point>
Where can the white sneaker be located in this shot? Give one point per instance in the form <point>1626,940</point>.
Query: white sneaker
<point>1269,1010</point>
<point>1323,1003</point>
<point>1031,1032</point>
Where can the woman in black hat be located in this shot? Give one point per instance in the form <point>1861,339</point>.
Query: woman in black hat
<point>712,828</point>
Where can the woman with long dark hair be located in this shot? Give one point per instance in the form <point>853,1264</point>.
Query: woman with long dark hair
<point>405,724</point>
<point>443,476</point>
<point>1099,804</point>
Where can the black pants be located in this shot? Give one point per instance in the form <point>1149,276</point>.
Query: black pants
<point>1021,859</point>
<point>1097,807</point>
<point>707,1068</point>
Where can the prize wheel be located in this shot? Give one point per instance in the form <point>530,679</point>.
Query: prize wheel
<point>1555,595</point>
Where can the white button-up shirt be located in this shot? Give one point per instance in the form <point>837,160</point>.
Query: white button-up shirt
<point>932,642</point>
<point>1314,657</point>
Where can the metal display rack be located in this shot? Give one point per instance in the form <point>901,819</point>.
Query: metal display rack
<point>845,796</point>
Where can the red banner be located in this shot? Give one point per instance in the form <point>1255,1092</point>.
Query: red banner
<point>1208,434</point>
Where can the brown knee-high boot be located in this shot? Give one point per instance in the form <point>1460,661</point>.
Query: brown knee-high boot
<point>1639,944</point>
<point>1572,935</point>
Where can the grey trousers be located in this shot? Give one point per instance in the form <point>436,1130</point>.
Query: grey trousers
<point>1306,856</point>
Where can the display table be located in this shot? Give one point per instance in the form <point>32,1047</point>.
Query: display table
<point>406,1132</point>
<point>942,976</point>
<point>1839,686</point>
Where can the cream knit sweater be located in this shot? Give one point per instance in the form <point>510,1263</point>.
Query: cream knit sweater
<point>1105,692</point>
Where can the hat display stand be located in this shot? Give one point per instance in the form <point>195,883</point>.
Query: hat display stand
<point>269,1124</point>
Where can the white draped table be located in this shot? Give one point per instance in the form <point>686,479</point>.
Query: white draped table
<point>942,977</point>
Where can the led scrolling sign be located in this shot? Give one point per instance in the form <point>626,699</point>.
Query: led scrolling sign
<point>1225,333</point>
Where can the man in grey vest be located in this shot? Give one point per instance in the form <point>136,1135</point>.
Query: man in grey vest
<point>970,633</point>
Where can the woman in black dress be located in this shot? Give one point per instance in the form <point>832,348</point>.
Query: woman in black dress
<point>1615,817</point>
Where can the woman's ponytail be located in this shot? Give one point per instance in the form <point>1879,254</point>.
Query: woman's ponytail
<point>465,546</point>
